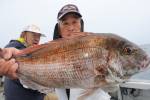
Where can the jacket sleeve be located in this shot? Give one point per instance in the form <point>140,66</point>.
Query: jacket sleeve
<point>15,44</point>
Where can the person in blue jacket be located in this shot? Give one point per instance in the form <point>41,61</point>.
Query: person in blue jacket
<point>13,89</point>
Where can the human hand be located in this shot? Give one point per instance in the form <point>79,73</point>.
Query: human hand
<point>7,53</point>
<point>8,68</point>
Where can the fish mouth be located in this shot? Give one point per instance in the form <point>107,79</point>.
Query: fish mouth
<point>146,63</point>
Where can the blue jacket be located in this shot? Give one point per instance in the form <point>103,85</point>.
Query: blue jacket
<point>13,90</point>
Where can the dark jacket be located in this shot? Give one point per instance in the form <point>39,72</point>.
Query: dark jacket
<point>13,90</point>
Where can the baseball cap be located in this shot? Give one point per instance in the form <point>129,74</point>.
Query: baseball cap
<point>33,28</point>
<point>69,8</point>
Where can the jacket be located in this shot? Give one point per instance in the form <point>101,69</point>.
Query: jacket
<point>13,89</point>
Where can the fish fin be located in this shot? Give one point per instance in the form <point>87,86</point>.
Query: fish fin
<point>35,86</point>
<point>111,87</point>
<point>94,94</point>
<point>85,94</point>
<point>106,84</point>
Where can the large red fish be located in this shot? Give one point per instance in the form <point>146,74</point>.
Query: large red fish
<point>90,61</point>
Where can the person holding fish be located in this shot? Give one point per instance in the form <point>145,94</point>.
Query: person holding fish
<point>70,24</point>
<point>13,89</point>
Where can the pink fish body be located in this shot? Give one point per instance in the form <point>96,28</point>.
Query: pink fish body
<point>90,61</point>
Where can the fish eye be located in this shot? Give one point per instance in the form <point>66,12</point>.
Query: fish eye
<point>127,51</point>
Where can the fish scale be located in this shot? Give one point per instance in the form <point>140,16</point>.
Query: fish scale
<point>77,69</point>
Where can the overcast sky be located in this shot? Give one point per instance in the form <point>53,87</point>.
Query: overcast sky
<point>127,18</point>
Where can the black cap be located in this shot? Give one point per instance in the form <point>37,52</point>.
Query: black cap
<point>69,8</point>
